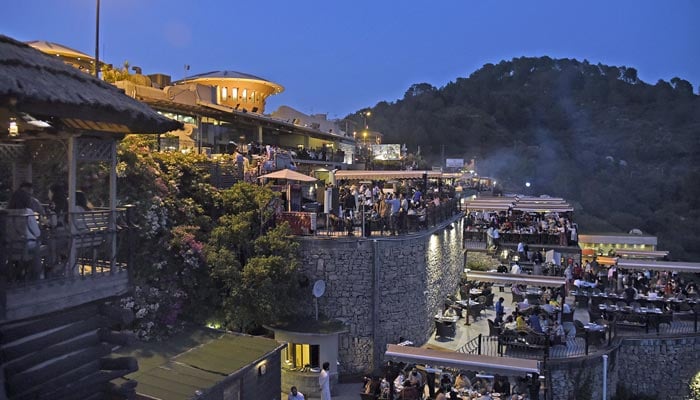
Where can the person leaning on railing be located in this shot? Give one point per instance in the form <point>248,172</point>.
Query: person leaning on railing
<point>22,235</point>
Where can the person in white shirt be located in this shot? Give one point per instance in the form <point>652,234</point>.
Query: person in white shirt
<point>324,381</point>
<point>295,394</point>
<point>515,269</point>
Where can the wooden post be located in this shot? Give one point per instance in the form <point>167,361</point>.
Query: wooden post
<point>112,207</point>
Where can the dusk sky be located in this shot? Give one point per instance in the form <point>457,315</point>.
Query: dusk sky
<point>337,57</point>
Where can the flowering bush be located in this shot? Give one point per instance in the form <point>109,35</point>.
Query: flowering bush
<point>156,311</point>
<point>198,243</point>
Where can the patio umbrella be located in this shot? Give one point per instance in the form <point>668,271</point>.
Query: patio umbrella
<point>289,175</point>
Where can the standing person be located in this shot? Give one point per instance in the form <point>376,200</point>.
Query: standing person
<point>324,381</point>
<point>500,310</point>
<point>35,204</point>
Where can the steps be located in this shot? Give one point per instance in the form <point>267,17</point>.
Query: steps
<point>62,355</point>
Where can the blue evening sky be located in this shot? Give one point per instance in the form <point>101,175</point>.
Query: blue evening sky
<point>338,56</point>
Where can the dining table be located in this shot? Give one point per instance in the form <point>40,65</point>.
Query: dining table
<point>445,318</point>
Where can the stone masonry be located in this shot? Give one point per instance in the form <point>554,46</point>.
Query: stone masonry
<point>384,288</point>
<point>661,368</point>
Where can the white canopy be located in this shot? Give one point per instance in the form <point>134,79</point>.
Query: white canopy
<point>488,364</point>
<point>676,266</point>
<point>289,175</point>
<point>385,175</point>
<point>534,280</point>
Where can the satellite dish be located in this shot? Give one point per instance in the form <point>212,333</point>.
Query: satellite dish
<point>319,288</point>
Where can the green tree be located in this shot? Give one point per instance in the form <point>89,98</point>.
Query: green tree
<point>253,262</point>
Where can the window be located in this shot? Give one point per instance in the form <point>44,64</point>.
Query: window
<point>301,355</point>
<point>234,93</point>
<point>245,95</point>
<point>252,96</point>
<point>224,93</point>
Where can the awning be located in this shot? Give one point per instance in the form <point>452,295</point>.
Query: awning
<point>606,260</point>
<point>487,206</point>
<point>677,266</point>
<point>641,254</point>
<point>491,203</point>
<point>385,175</point>
<point>488,364</point>
<point>289,175</point>
<point>543,208</point>
<point>534,280</point>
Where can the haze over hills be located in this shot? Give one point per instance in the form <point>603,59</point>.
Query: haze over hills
<point>624,151</point>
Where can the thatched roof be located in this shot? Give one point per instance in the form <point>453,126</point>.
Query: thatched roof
<point>35,83</point>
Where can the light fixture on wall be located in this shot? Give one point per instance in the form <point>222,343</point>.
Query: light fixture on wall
<point>13,129</point>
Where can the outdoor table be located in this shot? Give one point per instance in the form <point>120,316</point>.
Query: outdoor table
<point>594,330</point>
<point>443,318</point>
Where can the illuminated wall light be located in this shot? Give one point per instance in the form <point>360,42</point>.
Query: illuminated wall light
<point>13,129</point>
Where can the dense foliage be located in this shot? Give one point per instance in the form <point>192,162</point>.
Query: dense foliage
<point>203,254</point>
<point>624,151</point>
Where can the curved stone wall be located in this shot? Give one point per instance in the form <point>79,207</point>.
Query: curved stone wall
<point>384,288</point>
<point>656,367</point>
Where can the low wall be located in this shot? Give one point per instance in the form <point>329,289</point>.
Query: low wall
<point>656,367</point>
<point>384,288</point>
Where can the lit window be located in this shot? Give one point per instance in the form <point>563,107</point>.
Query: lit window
<point>301,355</point>
<point>245,95</point>
<point>224,94</point>
<point>252,96</point>
<point>234,93</point>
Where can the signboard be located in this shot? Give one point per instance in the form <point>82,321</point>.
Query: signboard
<point>301,223</point>
<point>386,151</point>
<point>454,162</point>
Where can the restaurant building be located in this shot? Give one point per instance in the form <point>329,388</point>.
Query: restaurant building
<point>223,111</point>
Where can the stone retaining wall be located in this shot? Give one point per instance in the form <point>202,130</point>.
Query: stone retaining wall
<point>384,288</point>
<point>660,368</point>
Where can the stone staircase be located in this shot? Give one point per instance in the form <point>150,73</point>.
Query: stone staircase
<point>65,355</point>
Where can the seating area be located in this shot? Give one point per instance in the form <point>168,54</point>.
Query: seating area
<point>586,330</point>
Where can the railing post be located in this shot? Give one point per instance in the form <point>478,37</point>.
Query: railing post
<point>130,217</point>
<point>479,351</point>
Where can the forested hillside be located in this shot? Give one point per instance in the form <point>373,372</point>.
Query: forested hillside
<point>625,152</point>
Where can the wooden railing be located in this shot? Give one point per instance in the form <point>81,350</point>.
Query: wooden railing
<point>87,244</point>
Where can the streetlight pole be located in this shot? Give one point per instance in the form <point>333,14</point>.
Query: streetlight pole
<point>97,41</point>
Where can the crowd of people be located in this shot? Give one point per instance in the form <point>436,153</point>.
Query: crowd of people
<point>394,211</point>
<point>536,226</point>
<point>411,382</point>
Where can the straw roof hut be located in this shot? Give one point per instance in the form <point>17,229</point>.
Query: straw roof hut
<point>46,89</point>
<point>44,101</point>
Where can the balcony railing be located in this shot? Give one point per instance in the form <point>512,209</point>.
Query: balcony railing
<point>307,223</point>
<point>70,263</point>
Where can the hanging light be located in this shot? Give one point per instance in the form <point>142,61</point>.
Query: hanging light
<point>14,128</point>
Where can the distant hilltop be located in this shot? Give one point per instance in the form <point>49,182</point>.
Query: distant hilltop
<point>624,150</point>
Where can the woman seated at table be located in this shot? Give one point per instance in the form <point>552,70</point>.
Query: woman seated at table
<point>482,384</point>
<point>510,323</point>
<point>557,334</point>
<point>446,383</point>
<point>409,392</point>
<point>545,322</point>
<point>520,323</point>
<point>399,380</point>
<point>449,312</point>
<point>501,385</point>
<point>462,382</point>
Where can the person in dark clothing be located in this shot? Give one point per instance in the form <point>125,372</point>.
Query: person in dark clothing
<point>630,293</point>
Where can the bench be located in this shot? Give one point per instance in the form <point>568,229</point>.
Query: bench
<point>89,233</point>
